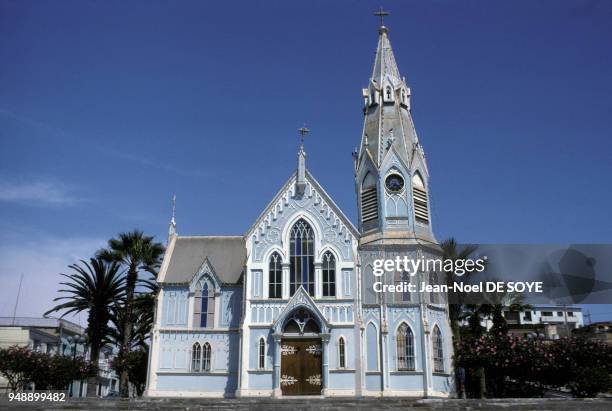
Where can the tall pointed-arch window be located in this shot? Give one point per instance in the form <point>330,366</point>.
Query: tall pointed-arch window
<point>275,279</point>
<point>419,195</point>
<point>302,257</point>
<point>262,353</point>
<point>402,279</point>
<point>438,351</point>
<point>206,357</point>
<point>329,275</point>
<point>435,297</point>
<point>341,353</point>
<point>204,306</point>
<point>196,357</point>
<point>388,93</point>
<point>405,348</point>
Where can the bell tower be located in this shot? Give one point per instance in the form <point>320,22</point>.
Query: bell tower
<point>391,175</point>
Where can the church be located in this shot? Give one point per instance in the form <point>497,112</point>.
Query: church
<point>289,308</point>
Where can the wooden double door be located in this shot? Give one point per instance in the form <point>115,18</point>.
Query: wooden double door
<point>301,367</point>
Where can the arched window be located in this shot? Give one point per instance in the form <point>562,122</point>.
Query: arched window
<point>196,357</point>
<point>419,195</point>
<point>402,279</point>
<point>329,275</point>
<point>388,93</point>
<point>438,353</point>
<point>262,353</point>
<point>341,353</point>
<point>369,202</point>
<point>434,296</point>
<point>206,357</point>
<point>204,306</point>
<point>302,257</point>
<point>275,276</point>
<point>372,347</point>
<point>405,348</point>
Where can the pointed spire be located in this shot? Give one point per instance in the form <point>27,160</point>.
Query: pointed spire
<point>388,123</point>
<point>300,182</point>
<point>384,63</point>
<point>172,225</point>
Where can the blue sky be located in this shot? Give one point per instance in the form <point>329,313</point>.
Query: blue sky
<point>108,108</point>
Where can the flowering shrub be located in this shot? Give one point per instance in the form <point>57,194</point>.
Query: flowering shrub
<point>537,364</point>
<point>22,366</point>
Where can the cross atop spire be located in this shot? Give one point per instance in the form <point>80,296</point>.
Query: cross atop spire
<point>381,13</point>
<point>303,131</point>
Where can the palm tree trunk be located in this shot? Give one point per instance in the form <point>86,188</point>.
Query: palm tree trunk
<point>92,381</point>
<point>127,328</point>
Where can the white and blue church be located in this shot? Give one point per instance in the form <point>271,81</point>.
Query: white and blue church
<point>289,308</point>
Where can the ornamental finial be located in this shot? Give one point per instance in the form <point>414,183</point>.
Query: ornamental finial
<point>174,208</point>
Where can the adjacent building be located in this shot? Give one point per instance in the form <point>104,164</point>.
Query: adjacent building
<point>545,321</point>
<point>57,336</point>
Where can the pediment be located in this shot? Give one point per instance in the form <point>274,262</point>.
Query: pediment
<point>313,194</point>
<point>206,268</point>
<point>301,299</point>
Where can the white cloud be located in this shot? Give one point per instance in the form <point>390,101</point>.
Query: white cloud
<point>41,260</point>
<point>37,193</point>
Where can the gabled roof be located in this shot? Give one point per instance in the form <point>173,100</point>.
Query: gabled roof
<point>319,189</point>
<point>185,256</point>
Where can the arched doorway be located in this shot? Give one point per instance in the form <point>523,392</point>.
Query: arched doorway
<point>301,355</point>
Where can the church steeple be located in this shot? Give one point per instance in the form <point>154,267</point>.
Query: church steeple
<point>388,122</point>
<point>390,162</point>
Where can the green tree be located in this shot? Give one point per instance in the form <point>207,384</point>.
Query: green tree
<point>137,253</point>
<point>93,287</point>
<point>22,366</point>
<point>17,365</point>
<point>135,363</point>
<point>451,251</point>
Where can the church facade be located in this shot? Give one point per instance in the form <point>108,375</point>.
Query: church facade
<point>289,308</point>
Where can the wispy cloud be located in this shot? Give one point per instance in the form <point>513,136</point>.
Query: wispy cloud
<point>161,165</point>
<point>135,159</point>
<point>40,258</point>
<point>37,193</point>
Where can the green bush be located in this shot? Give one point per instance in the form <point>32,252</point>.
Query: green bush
<point>22,366</point>
<point>588,382</point>
<point>537,364</point>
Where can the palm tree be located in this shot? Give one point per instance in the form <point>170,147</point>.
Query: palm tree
<point>144,306</point>
<point>94,287</point>
<point>514,301</point>
<point>450,251</point>
<point>136,252</point>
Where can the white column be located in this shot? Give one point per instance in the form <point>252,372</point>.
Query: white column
<point>318,280</point>
<point>277,364</point>
<point>325,353</point>
<point>286,268</point>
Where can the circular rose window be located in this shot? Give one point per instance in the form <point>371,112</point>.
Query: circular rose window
<point>394,183</point>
